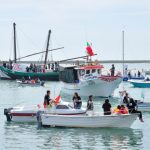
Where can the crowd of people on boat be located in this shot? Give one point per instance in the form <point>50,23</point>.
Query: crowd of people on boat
<point>129,105</point>
<point>35,68</point>
<point>42,68</point>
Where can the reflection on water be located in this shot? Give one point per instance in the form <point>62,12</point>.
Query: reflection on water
<point>70,138</point>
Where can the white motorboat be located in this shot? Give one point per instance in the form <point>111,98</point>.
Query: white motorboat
<point>88,80</point>
<point>91,121</point>
<point>29,113</point>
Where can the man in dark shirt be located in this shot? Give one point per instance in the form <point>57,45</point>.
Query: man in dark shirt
<point>47,98</point>
<point>107,107</point>
<point>132,107</point>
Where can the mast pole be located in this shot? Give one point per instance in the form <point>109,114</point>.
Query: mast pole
<point>15,53</point>
<point>46,54</point>
<point>123,51</point>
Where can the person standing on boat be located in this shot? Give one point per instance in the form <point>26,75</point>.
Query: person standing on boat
<point>139,74</point>
<point>112,70</point>
<point>126,99</point>
<point>132,105</point>
<point>77,101</point>
<point>47,100</point>
<point>90,103</point>
<point>107,107</point>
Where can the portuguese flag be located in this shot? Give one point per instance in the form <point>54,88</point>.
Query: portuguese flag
<point>89,49</point>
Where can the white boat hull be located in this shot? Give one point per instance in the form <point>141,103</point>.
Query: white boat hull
<point>28,114</point>
<point>91,121</point>
<point>144,106</point>
<point>96,87</point>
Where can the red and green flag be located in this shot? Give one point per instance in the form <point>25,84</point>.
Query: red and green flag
<point>89,49</point>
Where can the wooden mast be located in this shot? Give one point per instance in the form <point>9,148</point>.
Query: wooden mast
<point>15,53</point>
<point>123,52</point>
<point>46,54</point>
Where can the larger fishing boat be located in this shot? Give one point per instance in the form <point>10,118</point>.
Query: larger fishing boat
<point>88,80</point>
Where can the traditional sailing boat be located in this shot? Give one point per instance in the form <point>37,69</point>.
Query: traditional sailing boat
<point>41,72</point>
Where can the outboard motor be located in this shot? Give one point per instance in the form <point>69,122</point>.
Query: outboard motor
<point>7,113</point>
<point>39,121</point>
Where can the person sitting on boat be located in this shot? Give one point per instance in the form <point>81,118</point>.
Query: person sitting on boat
<point>123,110</point>
<point>23,79</point>
<point>117,110</point>
<point>47,100</point>
<point>33,81</point>
<point>126,99</point>
<point>107,107</point>
<point>37,80</point>
<point>132,105</point>
<point>77,101</point>
<point>90,103</point>
<point>147,79</point>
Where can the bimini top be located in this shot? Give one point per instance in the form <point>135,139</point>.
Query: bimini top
<point>91,67</point>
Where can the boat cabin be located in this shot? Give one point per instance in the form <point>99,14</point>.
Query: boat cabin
<point>74,74</point>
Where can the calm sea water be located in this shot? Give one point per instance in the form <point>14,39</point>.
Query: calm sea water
<point>15,136</point>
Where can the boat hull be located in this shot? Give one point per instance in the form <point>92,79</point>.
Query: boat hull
<point>140,84</point>
<point>45,76</point>
<point>144,106</point>
<point>103,87</point>
<point>29,114</point>
<point>4,76</point>
<point>133,78</point>
<point>91,121</point>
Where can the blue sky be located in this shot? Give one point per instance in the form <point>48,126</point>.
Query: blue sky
<point>99,22</point>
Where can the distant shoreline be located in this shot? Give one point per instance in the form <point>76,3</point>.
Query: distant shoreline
<point>72,62</point>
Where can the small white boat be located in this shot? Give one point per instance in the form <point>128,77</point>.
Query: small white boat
<point>31,82</point>
<point>91,121</point>
<point>29,113</point>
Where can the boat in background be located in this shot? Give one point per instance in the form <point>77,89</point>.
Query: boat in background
<point>14,70</point>
<point>45,76</point>
<point>140,83</point>
<point>88,80</point>
<point>127,78</point>
<point>31,82</point>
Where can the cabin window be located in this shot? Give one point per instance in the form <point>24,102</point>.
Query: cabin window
<point>62,107</point>
<point>87,71</point>
<point>81,72</point>
<point>98,71</point>
<point>93,70</point>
